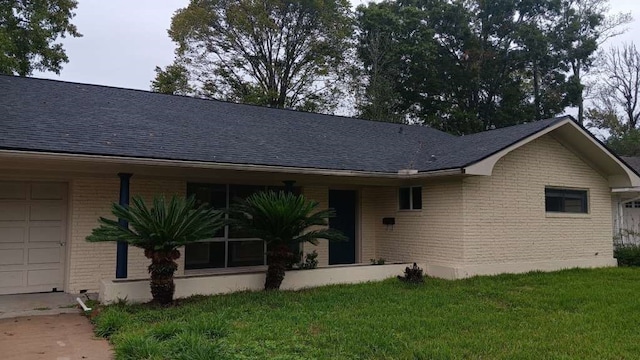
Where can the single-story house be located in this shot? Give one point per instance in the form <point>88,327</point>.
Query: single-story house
<point>537,196</point>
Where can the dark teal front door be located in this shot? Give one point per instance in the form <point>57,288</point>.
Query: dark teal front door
<point>344,203</point>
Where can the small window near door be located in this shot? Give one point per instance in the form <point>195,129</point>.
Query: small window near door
<point>632,205</point>
<point>410,198</point>
<point>566,201</point>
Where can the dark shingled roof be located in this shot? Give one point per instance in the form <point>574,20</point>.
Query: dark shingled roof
<point>62,117</point>
<point>633,162</point>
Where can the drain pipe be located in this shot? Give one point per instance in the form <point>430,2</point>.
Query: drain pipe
<point>84,307</point>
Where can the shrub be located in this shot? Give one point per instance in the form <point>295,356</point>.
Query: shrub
<point>110,321</point>
<point>412,275</point>
<point>379,261</point>
<point>310,261</point>
<point>627,255</point>
<point>137,345</point>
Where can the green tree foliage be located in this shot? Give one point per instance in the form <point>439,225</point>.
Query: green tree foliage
<point>173,80</point>
<point>160,231</point>
<point>468,66</point>
<point>282,219</point>
<point>627,144</point>
<point>28,33</point>
<point>278,53</point>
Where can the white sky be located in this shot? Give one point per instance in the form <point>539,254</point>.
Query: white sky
<point>125,40</point>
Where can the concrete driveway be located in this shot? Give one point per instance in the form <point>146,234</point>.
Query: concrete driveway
<point>56,337</point>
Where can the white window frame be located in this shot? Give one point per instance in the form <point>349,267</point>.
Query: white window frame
<point>226,238</point>
<point>411,202</point>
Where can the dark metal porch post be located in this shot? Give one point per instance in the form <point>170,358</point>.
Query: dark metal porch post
<point>122,253</point>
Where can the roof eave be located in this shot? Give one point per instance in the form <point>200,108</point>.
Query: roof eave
<point>629,179</point>
<point>158,162</point>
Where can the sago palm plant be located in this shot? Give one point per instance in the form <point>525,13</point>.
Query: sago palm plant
<point>160,230</point>
<point>281,219</point>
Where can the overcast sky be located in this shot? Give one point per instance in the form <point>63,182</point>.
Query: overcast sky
<point>125,40</point>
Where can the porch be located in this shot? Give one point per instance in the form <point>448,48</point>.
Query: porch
<point>212,284</point>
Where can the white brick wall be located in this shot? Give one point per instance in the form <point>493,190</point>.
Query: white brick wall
<point>89,262</point>
<point>433,234</point>
<point>321,195</point>
<point>92,198</point>
<point>505,218</point>
<point>370,220</point>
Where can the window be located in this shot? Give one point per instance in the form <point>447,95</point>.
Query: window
<point>410,198</point>
<point>229,247</point>
<point>566,201</point>
<point>632,204</point>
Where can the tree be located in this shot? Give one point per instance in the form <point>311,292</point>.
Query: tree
<point>627,144</point>
<point>472,65</point>
<point>28,33</point>
<point>617,105</point>
<point>281,219</point>
<point>583,26</point>
<point>460,66</point>
<point>278,53</point>
<point>173,80</point>
<point>160,230</point>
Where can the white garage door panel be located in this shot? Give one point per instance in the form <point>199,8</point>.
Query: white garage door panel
<point>46,234</point>
<point>11,257</point>
<point>11,235</point>
<point>42,277</point>
<point>13,211</point>
<point>46,212</point>
<point>32,236</point>
<point>11,279</point>
<point>44,256</point>
<point>47,191</point>
<point>13,191</point>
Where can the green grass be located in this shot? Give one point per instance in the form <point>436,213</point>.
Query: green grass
<point>573,314</point>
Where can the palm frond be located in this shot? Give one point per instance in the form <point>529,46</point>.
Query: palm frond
<point>165,226</point>
<point>281,218</point>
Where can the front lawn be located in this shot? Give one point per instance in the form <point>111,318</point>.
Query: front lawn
<point>573,314</point>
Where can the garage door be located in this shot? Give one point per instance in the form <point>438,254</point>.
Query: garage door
<point>32,236</point>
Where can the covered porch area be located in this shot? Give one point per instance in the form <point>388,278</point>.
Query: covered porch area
<point>371,210</point>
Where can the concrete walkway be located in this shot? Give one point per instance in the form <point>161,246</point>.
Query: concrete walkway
<point>57,337</point>
<point>18,305</point>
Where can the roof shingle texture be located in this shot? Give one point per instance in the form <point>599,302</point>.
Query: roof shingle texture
<point>62,117</point>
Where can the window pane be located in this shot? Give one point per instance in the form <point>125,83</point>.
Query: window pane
<point>404,197</point>
<point>553,204</point>
<point>573,205</point>
<point>417,197</point>
<point>237,193</point>
<point>296,189</point>
<point>204,255</point>
<point>564,200</point>
<point>246,253</point>
<point>213,194</point>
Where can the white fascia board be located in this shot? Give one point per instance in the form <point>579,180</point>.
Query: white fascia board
<point>222,166</point>
<point>485,166</point>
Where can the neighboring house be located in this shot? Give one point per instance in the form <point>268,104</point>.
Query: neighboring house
<point>536,196</point>
<point>626,212</point>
